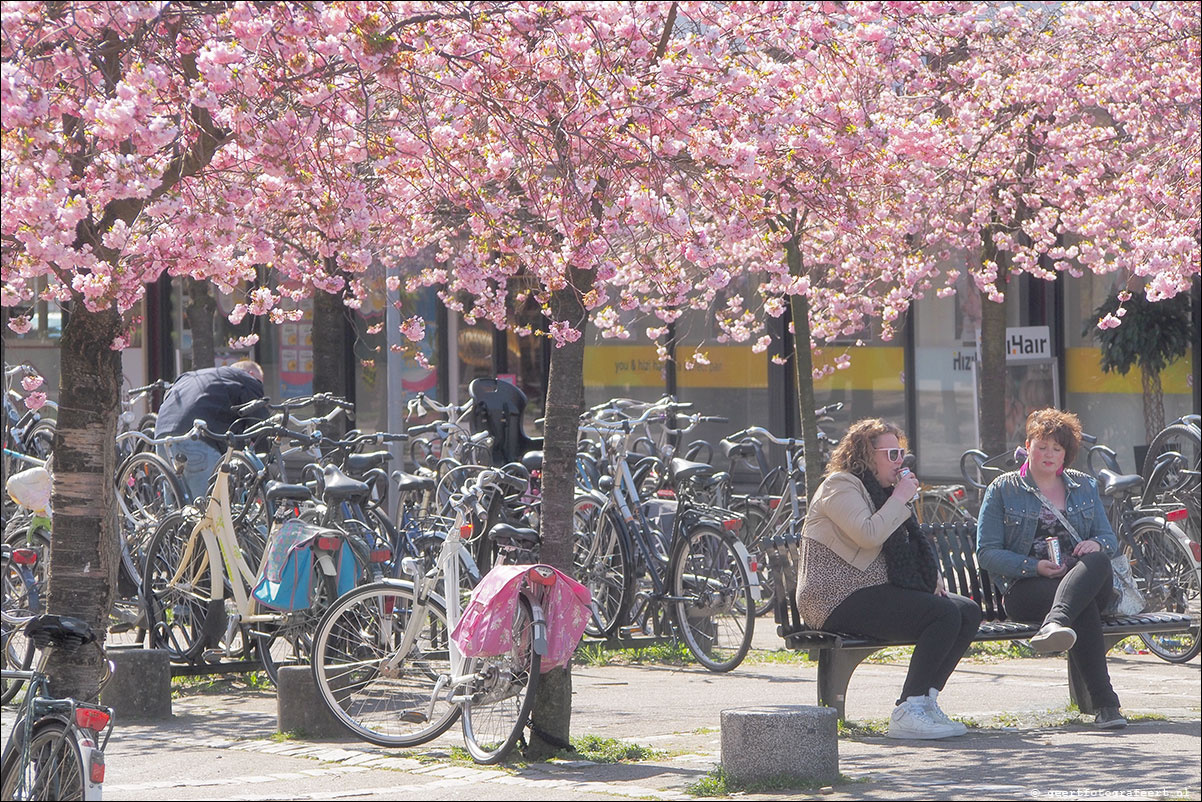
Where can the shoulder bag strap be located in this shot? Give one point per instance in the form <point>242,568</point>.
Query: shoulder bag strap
<point>1059,515</point>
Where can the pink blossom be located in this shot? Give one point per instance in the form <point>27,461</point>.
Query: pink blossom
<point>414,329</point>
<point>31,383</point>
<point>243,343</point>
<point>34,401</point>
<point>20,324</point>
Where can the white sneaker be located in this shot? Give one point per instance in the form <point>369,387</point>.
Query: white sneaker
<point>936,713</point>
<point>911,720</point>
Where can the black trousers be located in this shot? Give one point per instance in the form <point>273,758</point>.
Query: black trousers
<point>1074,600</point>
<point>942,627</point>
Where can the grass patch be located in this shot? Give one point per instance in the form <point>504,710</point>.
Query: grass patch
<point>220,683</point>
<point>891,654</point>
<point>596,749</point>
<point>719,783</point>
<point>994,651</point>
<point>291,735</point>
<point>872,728</point>
<point>673,653</point>
<point>778,656</point>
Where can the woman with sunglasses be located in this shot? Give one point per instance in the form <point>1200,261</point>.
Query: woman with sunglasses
<point>866,569</point>
<point>1044,538</point>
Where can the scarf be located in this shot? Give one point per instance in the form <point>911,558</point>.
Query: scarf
<point>909,558</point>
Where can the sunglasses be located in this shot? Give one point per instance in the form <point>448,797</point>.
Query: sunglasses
<point>893,454</point>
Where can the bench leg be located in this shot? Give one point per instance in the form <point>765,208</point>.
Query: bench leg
<point>835,667</point>
<point>1078,691</point>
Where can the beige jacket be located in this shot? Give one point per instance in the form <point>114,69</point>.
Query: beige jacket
<point>841,517</point>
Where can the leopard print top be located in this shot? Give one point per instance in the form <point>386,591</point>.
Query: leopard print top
<point>825,580</point>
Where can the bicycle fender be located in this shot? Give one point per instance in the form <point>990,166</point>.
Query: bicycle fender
<point>753,577</point>
<point>540,627</point>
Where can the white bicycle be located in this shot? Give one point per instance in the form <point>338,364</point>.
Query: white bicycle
<point>386,666</point>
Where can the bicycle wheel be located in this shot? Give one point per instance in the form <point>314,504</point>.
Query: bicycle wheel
<point>1182,484</point>
<point>601,564</point>
<point>54,769</point>
<point>20,599</point>
<point>290,642</point>
<point>498,698</point>
<point>711,594</point>
<point>934,509</point>
<point>382,704</point>
<point>1165,572</point>
<point>176,591</point>
<point>147,490</point>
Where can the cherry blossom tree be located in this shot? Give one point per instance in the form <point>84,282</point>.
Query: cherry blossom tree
<point>1050,139</point>
<point>144,138</point>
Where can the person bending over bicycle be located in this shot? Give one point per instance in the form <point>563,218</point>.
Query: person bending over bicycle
<point>210,395</point>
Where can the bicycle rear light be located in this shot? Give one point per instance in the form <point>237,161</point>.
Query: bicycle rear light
<point>329,542</point>
<point>465,531</point>
<point>91,718</point>
<point>542,575</point>
<point>96,767</point>
<point>1179,514</point>
<point>1196,548</point>
<point>25,556</point>
<point>380,555</point>
<point>959,493</point>
<point>774,502</point>
<point>733,525</point>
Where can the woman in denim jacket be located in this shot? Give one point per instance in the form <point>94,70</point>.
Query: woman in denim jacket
<point>1014,544</point>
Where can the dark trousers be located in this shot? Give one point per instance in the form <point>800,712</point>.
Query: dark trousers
<point>942,627</point>
<point>1074,600</point>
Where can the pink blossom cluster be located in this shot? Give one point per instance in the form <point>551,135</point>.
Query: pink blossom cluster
<point>653,158</point>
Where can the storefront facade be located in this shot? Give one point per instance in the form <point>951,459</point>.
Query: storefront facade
<point>924,379</point>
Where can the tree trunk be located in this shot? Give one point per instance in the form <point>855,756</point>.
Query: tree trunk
<point>201,309</point>
<point>329,351</point>
<point>1153,403</point>
<point>84,551</point>
<point>551,718</point>
<point>991,389</point>
<point>803,363</point>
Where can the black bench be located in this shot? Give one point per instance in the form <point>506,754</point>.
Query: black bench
<point>840,653</point>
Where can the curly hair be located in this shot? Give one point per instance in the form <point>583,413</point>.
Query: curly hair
<point>856,451</point>
<point>1055,424</point>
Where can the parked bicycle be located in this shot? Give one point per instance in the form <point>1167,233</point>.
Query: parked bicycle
<point>699,584</point>
<point>56,747</point>
<point>386,667</point>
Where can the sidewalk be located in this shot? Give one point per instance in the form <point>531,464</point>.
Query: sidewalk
<point>220,746</point>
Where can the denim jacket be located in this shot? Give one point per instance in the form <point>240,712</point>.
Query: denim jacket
<point>1010,514</point>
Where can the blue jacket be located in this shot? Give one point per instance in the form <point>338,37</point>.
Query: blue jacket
<point>1009,516</point>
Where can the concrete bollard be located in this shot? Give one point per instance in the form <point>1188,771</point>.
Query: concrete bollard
<point>140,688</point>
<point>299,707</point>
<point>798,741</point>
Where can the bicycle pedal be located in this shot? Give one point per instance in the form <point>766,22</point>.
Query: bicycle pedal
<point>212,656</point>
<point>414,717</point>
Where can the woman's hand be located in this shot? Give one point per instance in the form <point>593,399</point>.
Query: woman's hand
<point>1086,547</point>
<point>940,588</point>
<point>1050,569</point>
<point>907,486</point>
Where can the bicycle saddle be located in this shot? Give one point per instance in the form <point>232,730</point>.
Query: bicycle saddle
<point>533,460</point>
<point>507,535</point>
<point>362,463</point>
<point>278,491</point>
<point>340,487</point>
<point>59,630</point>
<point>683,470</point>
<point>1116,484</point>
<point>406,482</point>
